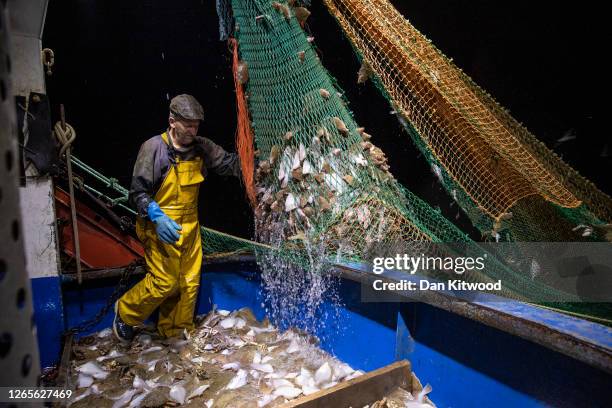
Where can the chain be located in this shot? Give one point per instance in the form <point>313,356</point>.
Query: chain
<point>117,292</point>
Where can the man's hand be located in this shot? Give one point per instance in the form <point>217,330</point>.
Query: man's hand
<point>167,229</point>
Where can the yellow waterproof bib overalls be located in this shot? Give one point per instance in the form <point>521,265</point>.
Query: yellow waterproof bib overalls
<point>173,270</point>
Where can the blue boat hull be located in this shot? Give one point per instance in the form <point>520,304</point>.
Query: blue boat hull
<point>467,363</point>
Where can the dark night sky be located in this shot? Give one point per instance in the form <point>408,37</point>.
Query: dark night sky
<point>116,62</point>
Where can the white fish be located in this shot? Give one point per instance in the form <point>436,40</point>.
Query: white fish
<point>293,347</point>
<point>237,343</point>
<point>105,333</point>
<point>238,381</point>
<point>145,339</point>
<point>228,323</point>
<point>138,400</point>
<point>256,358</point>
<point>198,391</point>
<point>81,396</point>
<point>124,398</point>
<point>287,392</point>
<point>341,370</point>
<point>331,384</point>
<point>307,167</point>
<point>112,354</point>
<point>208,347</point>
<point>418,401</point>
<point>138,383</point>
<point>226,352</point>
<point>210,403</point>
<point>281,382</point>
<point>307,389</point>
<point>438,172</point>
<point>305,378</point>
<point>567,136</point>
<point>296,160</point>
<point>151,350</point>
<point>231,366</point>
<point>178,393</point>
<point>263,330</point>
<point>266,359</point>
<point>93,369</point>
<point>223,312</point>
<point>84,381</point>
<point>359,160</point>
<point>151,365</point>
<point>290,202</point>
<point>266,368</point>
<point>302,152</point>
<point>292,375</point>
<point>356,374</point>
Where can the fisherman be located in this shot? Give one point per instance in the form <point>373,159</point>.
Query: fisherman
<point>165,185</point>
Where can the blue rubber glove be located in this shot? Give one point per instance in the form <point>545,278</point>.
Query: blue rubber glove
<point>166,228</point>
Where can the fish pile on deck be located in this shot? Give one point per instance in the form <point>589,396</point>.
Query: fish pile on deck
<point>400,398</point>
<point>229,360</point>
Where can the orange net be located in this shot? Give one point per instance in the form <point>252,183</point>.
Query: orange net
<point>493,162</point>
<point>244,133</point>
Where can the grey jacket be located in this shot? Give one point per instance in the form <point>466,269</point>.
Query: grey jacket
<point>156,157</point>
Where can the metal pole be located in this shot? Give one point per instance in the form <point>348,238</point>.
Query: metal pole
<point>75,229</point>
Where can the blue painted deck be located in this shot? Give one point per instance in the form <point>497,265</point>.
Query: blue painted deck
<point>467,363</point>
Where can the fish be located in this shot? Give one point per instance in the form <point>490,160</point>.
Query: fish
<point>323,374</point>
<point>350,180</point>
<point>301,14</point>
<point>238,381</point>
<point>242,72</point>
<point>274,154</point>
<point>287,392</point>
<point>281,8</point>
<point>290,203</point>
<point>364,73</point>
<point>324,93</point>
<point>301,56</point>
<point>340,126</point>
<point>92,369</point>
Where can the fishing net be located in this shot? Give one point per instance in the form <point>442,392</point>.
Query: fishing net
<point>510,184</point>
<point>323,189</point>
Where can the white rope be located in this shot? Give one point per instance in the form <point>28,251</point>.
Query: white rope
<point>64,136</point>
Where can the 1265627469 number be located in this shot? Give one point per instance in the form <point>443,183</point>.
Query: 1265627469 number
<point>24,394</point>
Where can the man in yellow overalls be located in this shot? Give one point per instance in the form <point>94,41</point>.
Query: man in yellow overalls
<point>165,186</point>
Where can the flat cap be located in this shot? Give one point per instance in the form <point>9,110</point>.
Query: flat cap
<point>187,107</point>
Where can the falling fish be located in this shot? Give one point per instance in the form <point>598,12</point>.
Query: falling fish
<point>242,72</point>
<point>274,153</point>
<point>281,8</point>
<point>290,203</point>
<point>340,125</point>
<point>301,14</point>
<point>364,73</point>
